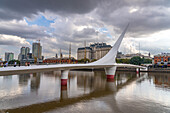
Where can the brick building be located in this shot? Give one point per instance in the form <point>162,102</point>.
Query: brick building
<point>163,58</point>
<point>64,60</point>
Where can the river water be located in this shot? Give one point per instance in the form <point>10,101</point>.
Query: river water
<point>86,92</point>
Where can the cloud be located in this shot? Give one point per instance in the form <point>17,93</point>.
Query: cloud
<point>22,29</point>
<point>9,43</point>
<point>146,20</point>
<point>21,8</point>
<point>13,40</point>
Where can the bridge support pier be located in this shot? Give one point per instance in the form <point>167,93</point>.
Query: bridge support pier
<point>137,70</point>
<point>64,77</point>
<point>110,73</point>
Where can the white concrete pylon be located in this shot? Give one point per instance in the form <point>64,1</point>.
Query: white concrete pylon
<point>137,70</point>
<point>110,57</point>
<point>64,77</point>
<point>110,73</point>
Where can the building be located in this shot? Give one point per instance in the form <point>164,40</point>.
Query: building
<point>9,56</point>
<point>37,51</point>
<point>64,60</point>
<point>129,56</point>
<point>163,58</point>
<point>1,61</point>
<point>27,51</point>
<point>24,53</point>
<point>25,56</point>
<point>94,51</point>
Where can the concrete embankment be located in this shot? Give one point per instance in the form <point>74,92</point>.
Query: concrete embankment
<point>160,70</point>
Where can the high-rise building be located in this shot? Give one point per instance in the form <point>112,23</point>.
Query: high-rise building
<point>37,50</point>
<point>27,50</point>
<point>24,53</point>
<point>9,56</point>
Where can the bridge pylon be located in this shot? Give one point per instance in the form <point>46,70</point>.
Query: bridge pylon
<point>110,73</point>
<point>64,77</point>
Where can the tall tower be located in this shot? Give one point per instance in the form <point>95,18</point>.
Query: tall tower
<point>61,56</point>
<point>70,53</point>
<point>37,50</point>
<point>9,56</point>
<point>27,50</point>
<point>149,54</point>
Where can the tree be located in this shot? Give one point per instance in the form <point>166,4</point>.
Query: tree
<point>13,61</point>
<point>147,61</point>
<point>126,61</point>
<point>93,60</point>
<point>136,60</point>
<point>83,60</point>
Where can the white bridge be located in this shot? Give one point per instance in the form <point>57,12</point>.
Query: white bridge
<point>107,62</point>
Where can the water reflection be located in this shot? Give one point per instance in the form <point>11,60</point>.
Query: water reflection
<point>42,92</point>
<point>144,94</point>
<point>24,79</point>
<point>162,81</point>
<point>35,82</point>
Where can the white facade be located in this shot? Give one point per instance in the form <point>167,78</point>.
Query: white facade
<point>95,51</point>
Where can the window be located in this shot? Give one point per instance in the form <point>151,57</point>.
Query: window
<point>168,58</point>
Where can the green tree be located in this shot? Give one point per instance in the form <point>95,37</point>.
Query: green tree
<point>126,61</point>
<point>136,60</point>
<point>83,60</point>
<point>147,61</point>
<point>93,60</point>
<point>13,61</point>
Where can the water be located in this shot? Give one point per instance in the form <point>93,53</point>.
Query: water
<point>86,91</point>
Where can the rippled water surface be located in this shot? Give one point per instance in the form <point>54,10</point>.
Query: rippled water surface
<point>86,91</point>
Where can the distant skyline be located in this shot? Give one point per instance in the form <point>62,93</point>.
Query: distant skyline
<point>57,23</point>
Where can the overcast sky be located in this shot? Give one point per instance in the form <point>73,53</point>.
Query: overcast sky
<point>57,23</point>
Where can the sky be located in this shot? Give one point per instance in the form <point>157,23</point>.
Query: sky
<point>57,23</point>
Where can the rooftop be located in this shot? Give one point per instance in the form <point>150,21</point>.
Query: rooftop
<point>82,48</point>
<point>97,45</point>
